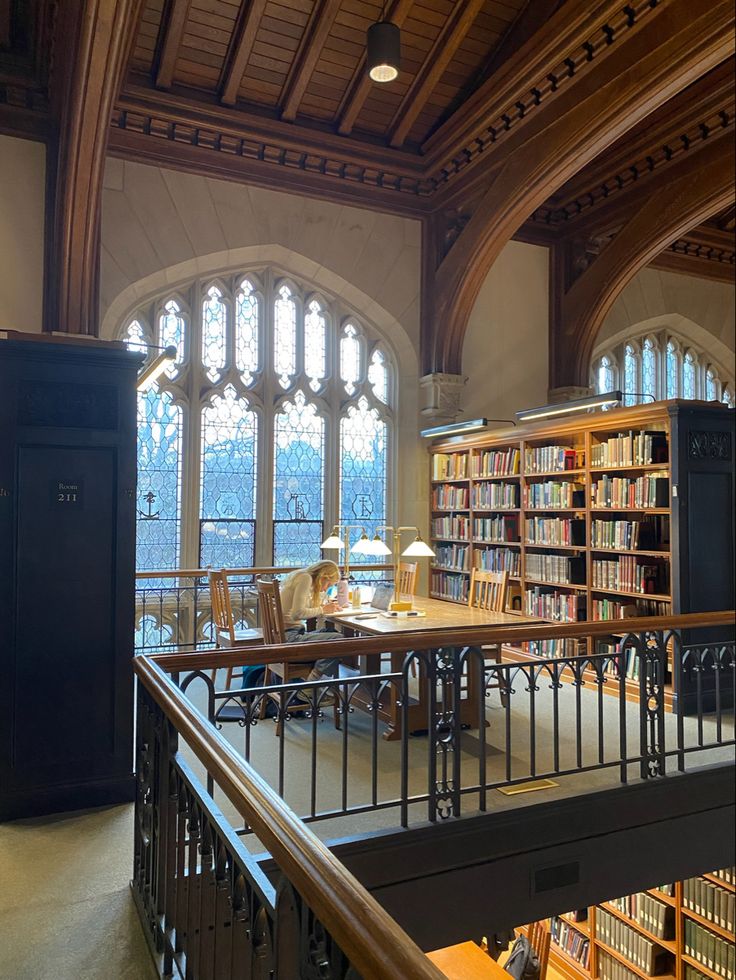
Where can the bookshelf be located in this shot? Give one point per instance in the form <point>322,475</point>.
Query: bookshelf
<point>685,932</point>
<point>604,516</point>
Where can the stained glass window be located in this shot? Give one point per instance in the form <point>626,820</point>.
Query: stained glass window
<point>606,375</point>
<point>672,370</point>
<point>315,338</point>
<point>214,333</point>
<point>350,358</point>
<point>689,376</point>
<point>378,376</point>
<point>728,397</point>
<point>649,368</point>
<point>711,385</point>
<point>135,338</point>
<point>284,337</point>
<point>228,490</point>
<point>159,480</point>
<point>247,325</point>
<point>363,469</point>
<point>631,375</point>
<point>171,327</point>
<point>299,477</point>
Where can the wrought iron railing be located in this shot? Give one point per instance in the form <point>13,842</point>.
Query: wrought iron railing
<point>173,610</point>
<point>207,907</point>
<point>550,719</point>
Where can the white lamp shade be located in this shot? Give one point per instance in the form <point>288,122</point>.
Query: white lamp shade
<point>359,548</point>
<point>376,547</point>
<point>332,542</point>
<point>418,549</point>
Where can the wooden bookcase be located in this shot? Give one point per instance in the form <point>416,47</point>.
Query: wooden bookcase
<point>581,950</point>
<point>599,516</point>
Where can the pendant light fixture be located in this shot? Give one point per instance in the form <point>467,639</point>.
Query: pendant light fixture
<point>383,50</point>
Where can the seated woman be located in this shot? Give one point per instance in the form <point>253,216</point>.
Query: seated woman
<point>303,596</point>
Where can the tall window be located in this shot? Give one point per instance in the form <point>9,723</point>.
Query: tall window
<point>656,366</point>
<point>274,422</point>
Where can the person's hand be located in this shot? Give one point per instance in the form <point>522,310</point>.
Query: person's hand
<point>329,607</point>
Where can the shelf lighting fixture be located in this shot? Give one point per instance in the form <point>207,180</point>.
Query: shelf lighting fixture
<point>156,368</point>
<point>456,428</point>
<point>605,400</point>
<point>383,51</point>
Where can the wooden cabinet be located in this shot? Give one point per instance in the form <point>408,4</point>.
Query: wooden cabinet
<point>67,561</point>
<point>603,516</point>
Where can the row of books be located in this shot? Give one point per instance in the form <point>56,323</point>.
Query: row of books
<point>644,953</point>
<point>623,491</point>
<point>627,661</point>
<point>710,901</point>
<point>498,560</point>
<point>726,874</point>
<point>631,449</point>
<point>630,535</point>
<point>496,528</point>
<point>450,498</point>
<point>626,574</point>
<point>556,606</point>
<point>451,527</point>
<point>655,916</point>
<point>552,459</point>
<point>706,947</point>
<point>504,496</point>
<point>449,466</point>
<point>554,531</point>
<point>561,569</point>
<point>552,649</point>
<point>456,556</point>
<point>445,585</point>
<point>496,462</point>
<point>609,968</point>
<point>574,943</point>
<point>610,609</point>
<point>553,494</point>
<point>690,973</point>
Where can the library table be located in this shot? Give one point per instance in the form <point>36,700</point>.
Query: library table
<point>438,616</point>
<point>466,961</point>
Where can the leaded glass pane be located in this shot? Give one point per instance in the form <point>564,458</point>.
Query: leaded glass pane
<point>728,397</point>
<point>299,476</point>
<point>688,376</point>
<point>315,339</point>
<point>672,371</point>
<point>171,329</point>
<point>363,469</point>
<point>711,386</point>
<point>606,375</point>
<point>247,317</point>
<point>630,379</point>
<point>284,339</point>
<point>350,358</point>
<point>214,327</point>
<point>135,338</point>
<point>649,369</point>
<point>159,480</point>
<point>378,376</point>
<point>228,482</point>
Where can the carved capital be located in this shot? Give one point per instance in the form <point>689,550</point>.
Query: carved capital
<point>441,394</point>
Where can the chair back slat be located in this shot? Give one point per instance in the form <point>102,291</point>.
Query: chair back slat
<point>406,578</point>
<point>488,590</point>
<point>269,610</point>
<point>222,613</point>
<point>539,937</point>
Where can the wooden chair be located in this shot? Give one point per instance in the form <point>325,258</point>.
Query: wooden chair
<point>539,938</point>
<point>272,621</point>
<point>224,622</point>
<point>488,590</point>
<point>406,579</point>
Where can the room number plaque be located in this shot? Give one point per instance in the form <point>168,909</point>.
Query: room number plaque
<point>67,493</point>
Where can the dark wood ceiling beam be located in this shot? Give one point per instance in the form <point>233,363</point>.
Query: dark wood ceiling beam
<point>678,43</point>
<point>172,32</point>
<point>361,84</point>
<point>727,221</point>
<point>310,49</point>
<point>693,263</point>
<point>530,20</point>
<point>440,55</point>
<point>241,46</point>
<point>694,191</point>
<point>93,41</point>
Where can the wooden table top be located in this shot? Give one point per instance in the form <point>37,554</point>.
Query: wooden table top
<point>466,961</point>
<point>440,615</point>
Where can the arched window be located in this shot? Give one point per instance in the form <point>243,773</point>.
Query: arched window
<point>690,375</point>
<point>649,359</point>
<point>274,422</point>
<point>728,397</point>
<point>672,369</point>
<point>632,383</point>
<point>712,385</point>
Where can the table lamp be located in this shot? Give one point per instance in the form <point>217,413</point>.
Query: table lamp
<point>377,546</point>
<point>334,541</point>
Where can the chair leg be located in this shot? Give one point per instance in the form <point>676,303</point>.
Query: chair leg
<point>229,678</point>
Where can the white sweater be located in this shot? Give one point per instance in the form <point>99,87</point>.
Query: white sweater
<point>296,598</point>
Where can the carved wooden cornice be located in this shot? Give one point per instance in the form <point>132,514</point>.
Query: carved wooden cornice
<point>703,252</point>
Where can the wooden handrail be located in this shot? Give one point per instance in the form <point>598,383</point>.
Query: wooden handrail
<point>255,570</point>
<point>419,640</point>
<point>364,931</point>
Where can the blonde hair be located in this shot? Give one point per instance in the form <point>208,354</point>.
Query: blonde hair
<point>316,571</point>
